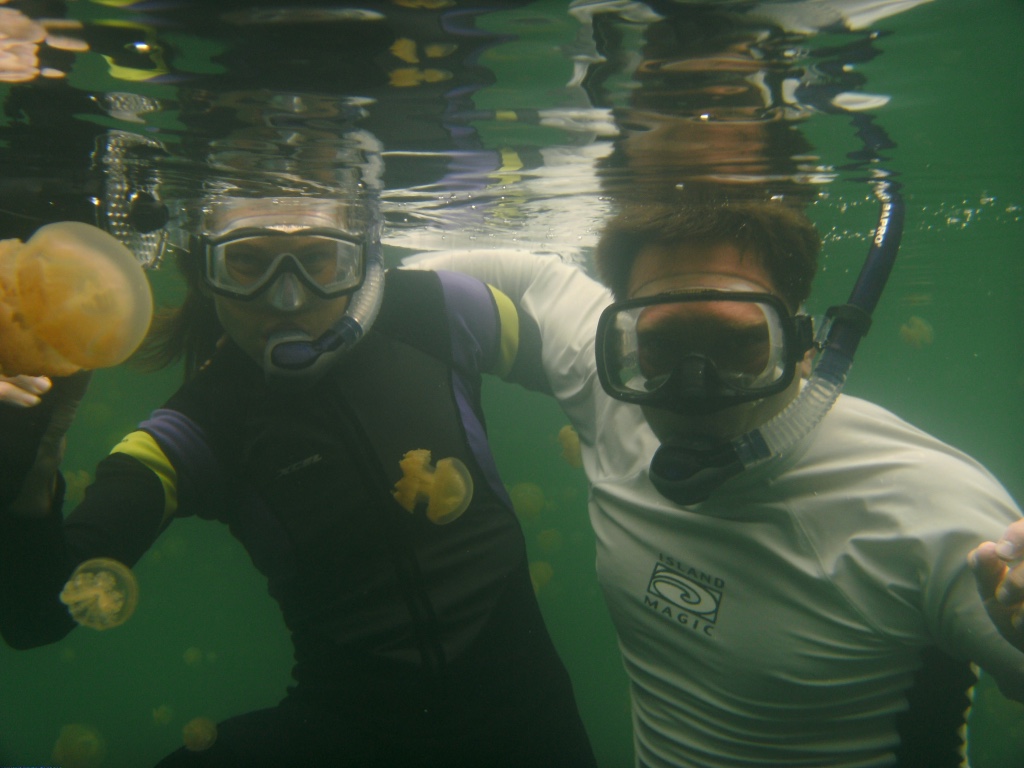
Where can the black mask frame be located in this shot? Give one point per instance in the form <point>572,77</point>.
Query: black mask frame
<point>697,384</point>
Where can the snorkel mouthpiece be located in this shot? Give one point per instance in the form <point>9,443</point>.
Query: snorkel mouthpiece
<point>294,358</point>
<point>289,351</point>
<point>687,472</point>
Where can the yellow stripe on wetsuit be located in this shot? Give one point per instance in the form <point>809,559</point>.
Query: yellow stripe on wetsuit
<point>508,344</point>
<point>143,448</point>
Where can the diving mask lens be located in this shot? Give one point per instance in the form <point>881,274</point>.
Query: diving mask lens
<point>707,345</point>
<point>245,264</point>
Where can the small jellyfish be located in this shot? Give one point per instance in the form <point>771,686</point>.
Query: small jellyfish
<point>917,332</point>
<point>550,540</point>
<point>540,574</point>
<point>79,746</point>
<point>163,714</point>
<point>527,500</point>
<point>447,488</point>
<point>72,297</point>
<point>570,442</point>
<point>101,593</point>
<point>199,734</point>
<point>192,656</point>
<point>76,481</point>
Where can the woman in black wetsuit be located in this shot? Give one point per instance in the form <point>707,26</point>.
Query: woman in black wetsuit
<point>418,641</point>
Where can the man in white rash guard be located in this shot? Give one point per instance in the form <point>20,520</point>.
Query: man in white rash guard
<point>816,609</point>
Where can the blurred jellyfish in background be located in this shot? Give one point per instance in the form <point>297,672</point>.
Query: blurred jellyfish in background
<point>163,714</point>
<point>76,481</point>
<point>527,500</point>
<point>72,297</point>
<point>79,746</point>
<point>541,573</point>
<point>570,442</point>
<point>917,332</point>
<point>550,540</point>
<point>196,657</point>
<point>101,593</point>
<point>199,734</point>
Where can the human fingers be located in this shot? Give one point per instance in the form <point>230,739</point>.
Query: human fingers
<point>23,391</point>
<point>1011,546</point>
<point>988,569</point>
<point>1010,550</point>
<point>1010,591</point>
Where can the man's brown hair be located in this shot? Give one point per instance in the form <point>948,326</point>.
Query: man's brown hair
<point>782,240</point>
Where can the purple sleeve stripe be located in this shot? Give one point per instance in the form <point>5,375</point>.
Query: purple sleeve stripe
<point>185,446</point>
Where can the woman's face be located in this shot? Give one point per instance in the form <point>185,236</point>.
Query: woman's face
<point>286,306</point>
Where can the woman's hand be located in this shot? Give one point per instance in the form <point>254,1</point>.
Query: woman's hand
<point>32,438</point>
<point>23,391</point>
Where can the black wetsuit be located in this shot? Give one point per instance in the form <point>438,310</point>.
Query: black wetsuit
<point>416,644</point>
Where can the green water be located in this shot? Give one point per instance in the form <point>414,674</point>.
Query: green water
<point>207,640</point>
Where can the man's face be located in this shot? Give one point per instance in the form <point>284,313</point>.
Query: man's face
<point>659,270</point>
<point>287,305</point>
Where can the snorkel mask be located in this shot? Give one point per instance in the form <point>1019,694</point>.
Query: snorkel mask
<point>289,250</point>
<point>700,350</point>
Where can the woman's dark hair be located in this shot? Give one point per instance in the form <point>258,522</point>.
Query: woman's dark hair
<point>189,332</point>
<point>781,239</point>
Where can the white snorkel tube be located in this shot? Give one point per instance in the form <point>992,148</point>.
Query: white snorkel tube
<point>291,356</point>
<point>690,476</point>
<point>846,325</point>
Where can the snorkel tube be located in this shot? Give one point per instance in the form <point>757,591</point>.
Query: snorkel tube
<point>291,357</point>
<point>846,325</point>
<point>688,476</point>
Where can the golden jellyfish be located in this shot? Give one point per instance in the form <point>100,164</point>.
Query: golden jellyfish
<point>192,656</point>
<point>163,714</point>
<point>540,574</point>
<point>527,500</point>
<point>101,593</point>
<point>199,734</point>
<point>72,297</point>
<point>447,488</point>
<point>79,746</point>
<point>917,332</point>
<point>570,442</point>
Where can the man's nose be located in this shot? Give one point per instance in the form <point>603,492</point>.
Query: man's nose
<point>287,294</point>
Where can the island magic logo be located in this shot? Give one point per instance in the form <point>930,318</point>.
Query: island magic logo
<point>687,596</point>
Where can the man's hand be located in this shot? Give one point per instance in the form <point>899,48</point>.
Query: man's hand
<point>999,573</point>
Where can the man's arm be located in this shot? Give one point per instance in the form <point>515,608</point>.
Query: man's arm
<point>560,298</point>
<point>510,271</point>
